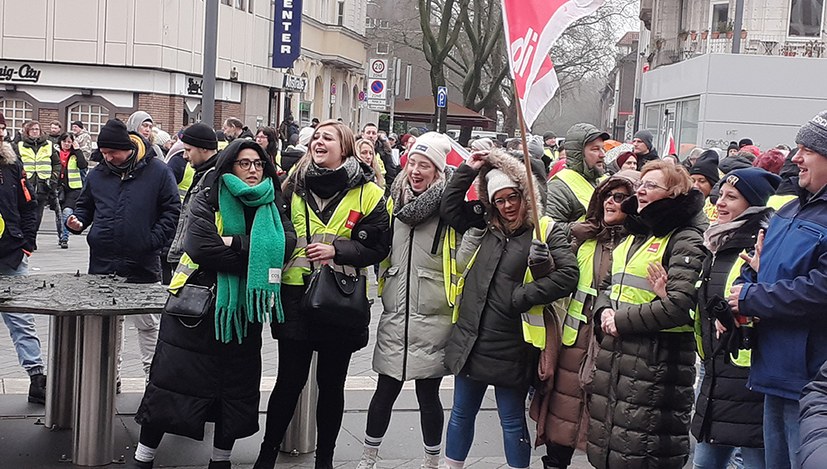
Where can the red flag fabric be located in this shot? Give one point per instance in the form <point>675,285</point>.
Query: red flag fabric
<point>670,144</point>
<point>531,29</point>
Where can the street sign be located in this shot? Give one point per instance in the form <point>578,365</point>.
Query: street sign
<point>333,88</point>
<point>442,96</point>
<point>378,107</point>
<point>378,68</point>
<point>377,89</point>
<point>362,96</point>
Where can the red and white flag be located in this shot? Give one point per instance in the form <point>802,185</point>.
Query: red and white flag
<point>531,29</point>
<point>670,143</point>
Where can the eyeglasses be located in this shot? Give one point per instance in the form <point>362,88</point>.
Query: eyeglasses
<point>648,185</point>
<point>618,197</point>
<point>245,164</point>
<point>510,200</point>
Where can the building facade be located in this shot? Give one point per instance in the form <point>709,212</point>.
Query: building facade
<point>709,82</point>
<point>91,60</point>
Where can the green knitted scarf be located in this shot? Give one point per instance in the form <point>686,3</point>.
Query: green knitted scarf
<point>242,300</point>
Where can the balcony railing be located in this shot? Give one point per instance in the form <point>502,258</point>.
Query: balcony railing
<point>667,51</point>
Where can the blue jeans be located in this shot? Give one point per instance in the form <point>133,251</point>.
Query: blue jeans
<point>710,456</point>
<point>468,395</point>
<point>64,232</point>
<point>22,329</point>
<point>781,437</point>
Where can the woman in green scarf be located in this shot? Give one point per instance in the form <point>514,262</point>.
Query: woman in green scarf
<point>209,370</point>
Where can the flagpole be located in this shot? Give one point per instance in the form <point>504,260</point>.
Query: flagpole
<point>527,161</point>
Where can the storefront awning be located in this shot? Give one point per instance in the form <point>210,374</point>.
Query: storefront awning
<point>421,109</point>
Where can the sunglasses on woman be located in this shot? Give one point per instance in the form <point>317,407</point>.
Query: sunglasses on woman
<point>618,197</point>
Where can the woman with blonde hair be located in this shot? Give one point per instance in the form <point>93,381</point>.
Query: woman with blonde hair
<point>341,222</point>
<point>366,152</point>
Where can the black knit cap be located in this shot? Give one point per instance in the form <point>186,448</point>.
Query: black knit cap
<point>707,166</point>
<point>114,136</point>
<point>200,135</point>
<point>744,142</point>
<point>755,184</point>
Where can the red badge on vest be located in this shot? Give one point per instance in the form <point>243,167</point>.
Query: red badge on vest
<point>352,219</point>
<point>653,247</point>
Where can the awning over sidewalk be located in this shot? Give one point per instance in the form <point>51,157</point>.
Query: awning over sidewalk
<point>421,109</point>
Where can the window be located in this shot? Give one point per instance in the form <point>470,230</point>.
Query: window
<point>806,17</point>
<point>16,111</point>
<point>340,13</point>
<point>227,2</point>
<point>370,23</point>
<point>239,4</point>
<point>93,116</point>
<point>383,48</point>
<point>249,6</point>
<point>719,18</point>
<point>383,24</point>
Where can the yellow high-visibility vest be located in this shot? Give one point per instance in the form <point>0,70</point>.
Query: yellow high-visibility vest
<point>73,173</point>
<point>2,225</point>
<point>39,164</point>
<point>744,355</point>
<point>629,284</point>
<point>778,201</point>
<point>534,327</point>
<point>710,210</point>
<point>357,203</point>
<point>582,188</point>
<point>574,314</point>
<point>186,181</point>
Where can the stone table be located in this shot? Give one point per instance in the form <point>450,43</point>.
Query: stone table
<point>84,312</point>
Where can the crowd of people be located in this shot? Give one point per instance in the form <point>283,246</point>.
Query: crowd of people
<point>633,299</point>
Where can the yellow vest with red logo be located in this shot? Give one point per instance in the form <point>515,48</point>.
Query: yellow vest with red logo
<point>39,164</point>
<point>357,203</point>
<point>629,284</point>
<point>585,288</point>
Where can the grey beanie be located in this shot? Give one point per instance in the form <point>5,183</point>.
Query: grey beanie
<point>647,138</point>
<point>535,147</point>
<point>813,134</point>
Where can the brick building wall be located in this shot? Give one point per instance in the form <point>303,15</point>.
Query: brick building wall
<point>167,111</point>
<point>223,110</point>
<point>45,116</point>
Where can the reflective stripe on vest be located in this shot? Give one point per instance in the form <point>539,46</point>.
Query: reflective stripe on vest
<point>39,164</point>
<point>357,203</point>
<point>629,284</point>
<point>534,327</point>
<point>186,266</point>
<point>574,315</point>
<point>73,173</point>
<point>582,189</point>
<point>186,181</point>
<point>2,225</point>
<point>744,356</point>
<point>778,201</point>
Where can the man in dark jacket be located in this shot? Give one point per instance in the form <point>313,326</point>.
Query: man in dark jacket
<point>789,296</point>
<point>645,150</point>
<point>17,235</point>
<point>570,190</point>
<point>200,151</point>
<point>813,454</point>
<point>132,202</point>
<point>371,132</point>
<point>233,128</point>
<point>41,161</point>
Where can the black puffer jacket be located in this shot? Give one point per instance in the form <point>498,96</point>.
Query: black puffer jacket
<point>194,377</point>
<point>486,344</point>
<point>726,412</point>
<point>359,253</point>
<point>17,207</point>
<point>642,389</point>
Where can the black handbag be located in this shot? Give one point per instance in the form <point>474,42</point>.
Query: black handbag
<point>334,298</point>
<point>192,302</point>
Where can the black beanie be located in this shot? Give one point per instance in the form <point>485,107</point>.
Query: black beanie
<point>744,142</point>
<point>114,136</point>
<point>707,166</point>
<point>200,135</point>
<point>755,184</point>
<point>733,146</point>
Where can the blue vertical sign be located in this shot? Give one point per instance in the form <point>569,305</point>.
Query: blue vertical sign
<point>287,32</point>
<point>442,96</point>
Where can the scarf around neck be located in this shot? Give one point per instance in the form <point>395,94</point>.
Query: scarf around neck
<point>412,209</point>
<point>326,182</point>
<point>719,234</point>
<point>252,298</point>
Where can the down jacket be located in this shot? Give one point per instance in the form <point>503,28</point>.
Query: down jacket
<point>195,378</point>
<point>416,317</point>
<point>641,396</point>
<point>726,412</point>
<point>486,344</point>
<point>813,453</point>
<point>17,208</point>
<point>132,216</point>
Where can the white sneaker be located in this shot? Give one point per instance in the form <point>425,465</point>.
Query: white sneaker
<point>369,457</point>
<point>432,461</point>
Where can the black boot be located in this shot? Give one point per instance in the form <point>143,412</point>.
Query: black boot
<point>324,462</point>
<point>266,457</point>
<point>37,389</point>
<point>135,464</point>
<point>219,465</point>
<point>549,464</point>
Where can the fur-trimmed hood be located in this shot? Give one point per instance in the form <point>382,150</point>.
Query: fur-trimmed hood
<point>515,170</point>
<point>7,155</point>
